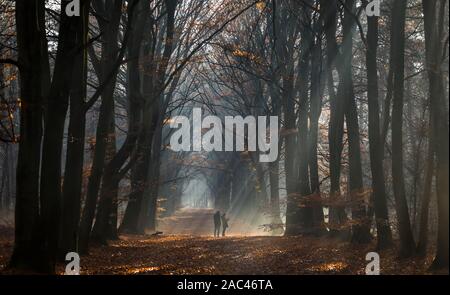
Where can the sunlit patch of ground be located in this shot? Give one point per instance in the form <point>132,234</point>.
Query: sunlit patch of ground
<point>333,267</point>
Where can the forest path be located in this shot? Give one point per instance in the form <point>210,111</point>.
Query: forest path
<point>238,255</point>
<point>200,222</point>
<point>188,221</point>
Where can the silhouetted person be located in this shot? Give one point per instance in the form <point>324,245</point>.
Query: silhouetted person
<point>224,224</point>
<point>217,224</point>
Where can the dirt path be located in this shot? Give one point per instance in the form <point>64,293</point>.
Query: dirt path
<point>238,255</point>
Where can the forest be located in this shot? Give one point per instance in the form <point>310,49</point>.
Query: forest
<point>346,100</point>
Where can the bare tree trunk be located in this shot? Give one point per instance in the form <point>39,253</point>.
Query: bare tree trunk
<point>283,65</point>
<point>398,26</point>
<point>73,174</point>
<point>31,42</point>
<point>69,42</point>
<point>317,91</point>
<point>108,193</point>
<point>426,196</point>
<point>434,28</point>
<point>274,178</point>
<point>113,172</point>
<point>110,50</point>
<point>384,235</point>
<point>148,211</point>
<point>274,167</point>
<point>303,186</point>
<point>361,227</point>
<point>337,214</point>
<point>293,217</point>
<point>154,86</point>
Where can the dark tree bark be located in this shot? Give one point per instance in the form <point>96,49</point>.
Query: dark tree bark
<point>73,174</point>
<point>426,196</point>
<point>110,50</point>
<point>154,87</point>
<point>304,69</point>
<point>361,227</point>
<point>434,28</point>
<point>148,211</point>
<point>102,230</point>
<point>317,91</point>
<point>114,170</point>
<point>69,42</point>
<point>384,235</point>
<point>284,47</point>
<point>274,167</point>
<point>293,216</point>
<point>169,45</point>
<point>274,175</point>
<point>398,26</point>
<point>33,66</point>
<point>7,175</point>
<point>337,214</point>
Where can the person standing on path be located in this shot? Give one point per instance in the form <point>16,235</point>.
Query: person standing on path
<point>217,224</point>
<point>224,224</point>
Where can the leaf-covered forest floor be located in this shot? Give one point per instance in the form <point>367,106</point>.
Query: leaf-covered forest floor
<point>182,254</point>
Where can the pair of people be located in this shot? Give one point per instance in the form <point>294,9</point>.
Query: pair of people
<point>220,220</point>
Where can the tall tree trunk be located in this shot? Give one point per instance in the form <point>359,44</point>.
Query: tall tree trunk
<point>361,227</point>
<point>108,194</point>
<point>110,50</point>
<point>131,222</point>
<point>274,178</point>
<point>361,223</point>
<point>398,26</point>
<point>317,90</point>
<point>31,40</point>
<point>304,188</point>
<point>69,42</point>
<point>293,216</point>
<point>148,210</point>
<point>434,28</point>
<point>171,6</point>
<point>73,173</point>
<point>283,63</point>
<point>113,173</point>
<point>154,86</point>
<point>384,235</point>
<point>274,167</point>
<point>426,196</point>
<point>337,214</point>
